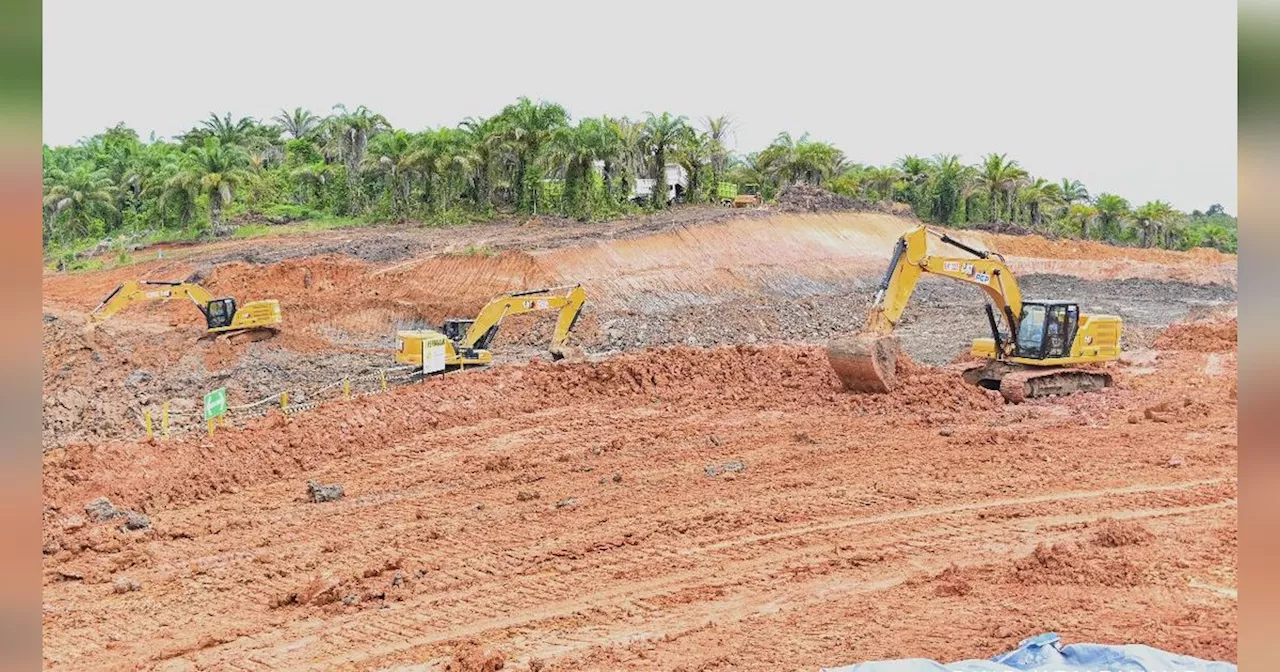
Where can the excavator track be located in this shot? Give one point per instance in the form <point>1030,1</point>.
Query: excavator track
<point>242,336</point>
<point>1017,384</point>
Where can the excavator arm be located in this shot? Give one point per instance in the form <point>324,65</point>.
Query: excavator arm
<point>150,290</point>
<point>569,303</point>
<point>911,259</point>
<point>467,341</point>
<point>868,362</point>
<point>253,321</point>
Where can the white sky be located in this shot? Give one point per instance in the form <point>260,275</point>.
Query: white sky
<point>1135,97</point>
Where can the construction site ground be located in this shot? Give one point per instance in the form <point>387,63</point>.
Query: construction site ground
<point>699,494</point>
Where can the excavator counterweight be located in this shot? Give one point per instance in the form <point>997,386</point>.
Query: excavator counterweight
<point>1034,348</point>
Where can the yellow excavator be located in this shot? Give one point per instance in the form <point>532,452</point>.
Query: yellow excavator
<point>466,342</point>
<point>1038,353</point>
<point>254,321</point>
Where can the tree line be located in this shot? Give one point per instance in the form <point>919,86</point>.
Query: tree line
<point>531,157</point>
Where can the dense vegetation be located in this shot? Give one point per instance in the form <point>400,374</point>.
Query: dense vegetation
<point>353,165</point>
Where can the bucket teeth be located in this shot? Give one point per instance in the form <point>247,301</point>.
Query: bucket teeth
<point>866,364</point>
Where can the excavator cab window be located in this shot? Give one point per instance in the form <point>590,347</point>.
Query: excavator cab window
<point>1055,331</point>
<point>1047,330</point>
<point>1031,329</point>
<point>219,312</point>
<point>455,330</point>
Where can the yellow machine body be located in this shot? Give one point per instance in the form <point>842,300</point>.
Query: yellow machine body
<point>467,342</point>
<point>1028,357</point>
<point>253,320</point>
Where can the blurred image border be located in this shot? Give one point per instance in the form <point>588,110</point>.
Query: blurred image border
<point>20,284</point>
<point>1259,348</point>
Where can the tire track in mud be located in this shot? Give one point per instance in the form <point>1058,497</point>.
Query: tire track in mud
<point>739,584</point>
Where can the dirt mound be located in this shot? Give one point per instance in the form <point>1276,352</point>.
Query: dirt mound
<point>1213,335</point>
<point>471,656</point>
<point>1074,564</point>
<point>194,467</point>
<point>1114,533</point>
<point>808,198</point>
<point>1017,241</point>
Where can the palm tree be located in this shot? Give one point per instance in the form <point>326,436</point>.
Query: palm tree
<point>299,124</point>
<point>1038,196</point>
<point>778,160</point>
<point>386,156</point>
<point>947,186</point>
<point>717,130</point>
<point>915,175</point>
<point>245,132</point>
<point>80,195</point>
<point>661,134</point>
<point>1153,220</point>
<point>1081,215</point>
<point>1215,236</point>
<point>749,169</point>
<point>695,153</point>
<point>525,128</point>
<point>481,135</point>
<point>632,155</point>
<point>309,180</point>
<point>351,132</point>
<point>815,162</point>
<point>573,152</point>
<point>1072,191</point>
<point>218,170</point>
<point>614,153</point>
<point>1000,176</point>
<point>446,162</point>
<point>1112,211</point>
<point>884,180</point>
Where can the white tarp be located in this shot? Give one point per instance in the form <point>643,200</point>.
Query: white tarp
<point>1045,653</point>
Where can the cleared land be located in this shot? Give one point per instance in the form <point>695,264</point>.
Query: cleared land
<point>700,495</point>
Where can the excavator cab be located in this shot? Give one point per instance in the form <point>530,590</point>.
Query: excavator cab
<point>1046,329</point>
<point>219,312</point>
<point>454,330</point>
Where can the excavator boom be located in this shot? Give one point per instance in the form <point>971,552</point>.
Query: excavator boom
<point>484,328</point>
<point>911,259</point>
<point>149,290</point>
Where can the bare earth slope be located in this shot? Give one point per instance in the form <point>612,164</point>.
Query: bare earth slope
<point>790,277</point>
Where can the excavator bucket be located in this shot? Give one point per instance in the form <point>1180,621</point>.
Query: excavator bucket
<point>865,363</point>
<point>568,353</point>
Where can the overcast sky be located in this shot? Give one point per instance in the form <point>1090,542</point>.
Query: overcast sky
<point>1134,97</point>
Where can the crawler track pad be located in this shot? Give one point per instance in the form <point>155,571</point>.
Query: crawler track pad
<point>867,364</point>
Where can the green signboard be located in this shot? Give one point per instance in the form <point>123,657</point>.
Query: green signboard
<point>215,403</point>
